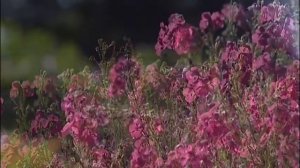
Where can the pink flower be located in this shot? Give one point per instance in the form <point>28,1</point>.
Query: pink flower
<point>261,37</point>
<point>145,155</point>
<point>119,74</point>
<point>235,14</point>
<point>192,155</point>
<point>15,89</point>
<point>189,95</point>
<point>205,21</point>
<point>184,39</point>
<point>215,21</point>
<point>159,127</point>
<point>84,116</point>
<point>49,125</point>
<point>210,124</point>
<point>27,89</point>
<point>230,53</point>
<point>263,62</point>
<point>136,128</point>
<point>177,36</point>
<point>102,157</point>
<point>192,76</point>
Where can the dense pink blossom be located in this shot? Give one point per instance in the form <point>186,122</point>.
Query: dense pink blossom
<point>184,39</point>
<point>210,124</point>
<point>84,117</point>
<point>177,36</point>
<point>200,84</point>
<point>236,58</point>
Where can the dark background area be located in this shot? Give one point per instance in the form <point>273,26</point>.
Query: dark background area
<point>84,21</point>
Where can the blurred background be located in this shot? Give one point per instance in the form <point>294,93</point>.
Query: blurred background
<point>54,35</point>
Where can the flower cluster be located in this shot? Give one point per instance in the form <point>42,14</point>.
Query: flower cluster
<point>50,125</point>
<point>84,115</point>
<point>276,30</point>
<point>235,103</point>
<point>199,85</point>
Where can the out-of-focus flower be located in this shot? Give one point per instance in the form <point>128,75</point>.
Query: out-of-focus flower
<point>214,21</point>
<point>2,102</point>
<point>272,12</point>
<point>102,158</point>
<point>235,14</point>
<point>15,89</point>
<point>4,141</point>
<point>261,37</point>
<point>27,89</point>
